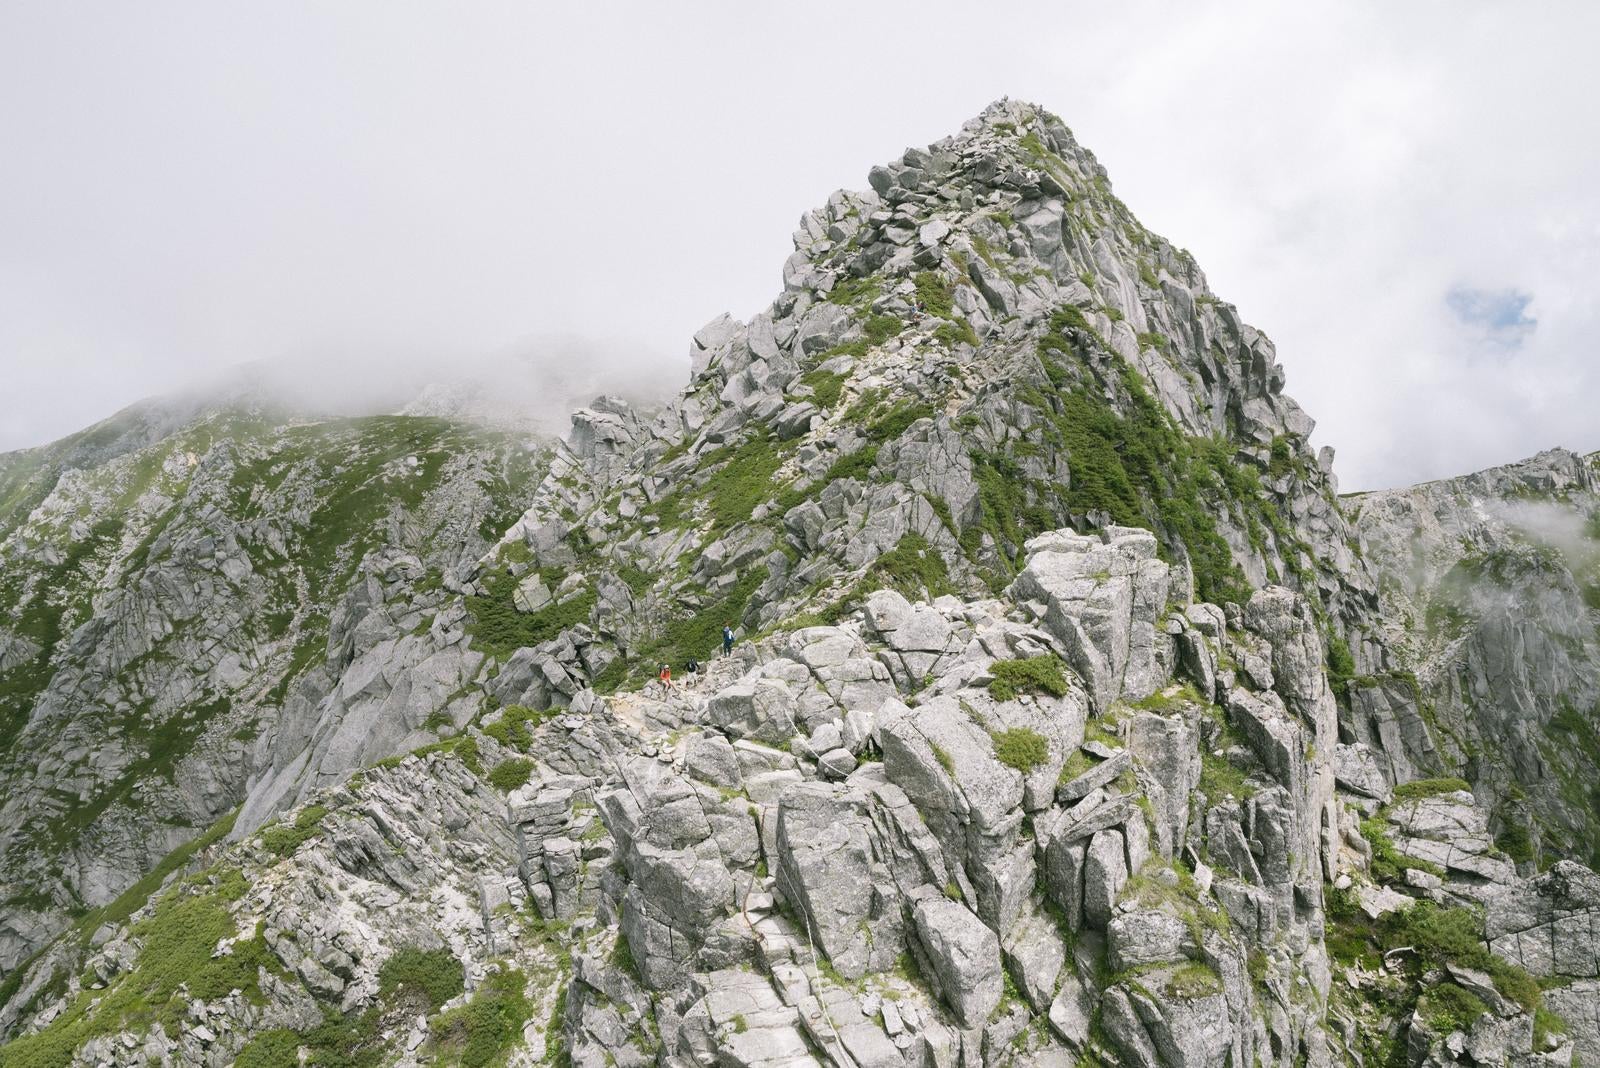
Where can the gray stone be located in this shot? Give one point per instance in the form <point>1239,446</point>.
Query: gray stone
<point>836,763</point>
<point>1101,774</point>
<point>825,869</point>
<point>711,759</point>
<point>1101,601</point>
<point>964,955</point>
<point>1035,954</point>
<point>531,594</point>
<point>1072,1012</point>
<point>1549,925</point>
<point>1145,937</point>
<point>1105,870</point>
<point>1167,747</point>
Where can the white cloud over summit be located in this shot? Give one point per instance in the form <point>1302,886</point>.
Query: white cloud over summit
<point>1402,195</point>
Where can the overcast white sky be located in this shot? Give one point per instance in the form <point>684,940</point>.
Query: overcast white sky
<point>1406,197</point>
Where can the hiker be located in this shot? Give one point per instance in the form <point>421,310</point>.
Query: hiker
<point>666,676</point>
<point>693,668</point>
<point>727,639</point>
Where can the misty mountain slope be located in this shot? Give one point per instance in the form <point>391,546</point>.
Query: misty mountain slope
<point>1064,726</point>
<point>1491,587</point>
<point>180,591</point>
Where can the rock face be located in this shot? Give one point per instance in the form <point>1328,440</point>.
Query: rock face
<point>1036,742</point>
<point>1547,924</point>
<point>194,597</point>
<point>1102,601</point>
<point>1490,590</point>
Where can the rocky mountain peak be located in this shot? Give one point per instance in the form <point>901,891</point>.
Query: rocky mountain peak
<point>983,346</point>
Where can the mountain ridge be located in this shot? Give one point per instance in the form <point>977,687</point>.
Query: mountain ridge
<point>1069,720</point>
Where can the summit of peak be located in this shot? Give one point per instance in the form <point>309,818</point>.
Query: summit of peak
<point>986,328</point>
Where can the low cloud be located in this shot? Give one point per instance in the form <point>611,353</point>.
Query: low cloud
<point>1557,525</point>
<point>533,386</point>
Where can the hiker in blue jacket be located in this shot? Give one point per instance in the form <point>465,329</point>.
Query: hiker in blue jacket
<point>727,639</point>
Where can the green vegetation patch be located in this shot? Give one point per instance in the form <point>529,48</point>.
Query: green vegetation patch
<point>483,1030</point>
<point>741,477</point>
<point>1077,764</point>
<point>1441,936</point>
<point>514,729</point>
<point>464,747</point>
<point>1012,509</point>
<point>1388,863</point>
<point>959,331</point>
<point>365,468</point>
<point>897,421</point>
<point>1172,699</point>
<point>285,839</point>
<point>1020,747</point>
<point>136,896</point>
<point>275,1048</point>
<point>880,328</point>
<point>1341,668</point>
<point>856,291</point>
<point>1574,751</point>
<point>1515,842</point>
<point>1130,466</point>
<point>339,1041</point>
<point>1036,674</point>
<point>1423,940</point>
<point>1420,789</point>
<point>1219,778</point>
<point>825,387</point>
<point>934,295</point>
<point>1545,1024</point>
<point>1448,1007</point>
<point>500,630</point>
<point>1192,979</point>
<point>697,634</point>
<point>622,956</point>
<point>1281,459</point>
<point>1178,893</point>
<point>510,774</point>
<point>743,480</point>
<point>40,619</point>
<point>1129,462</point>
<point>175,965</point>
<point>432,975</point>
<point>913,567</point>
<point>1067,317</point>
